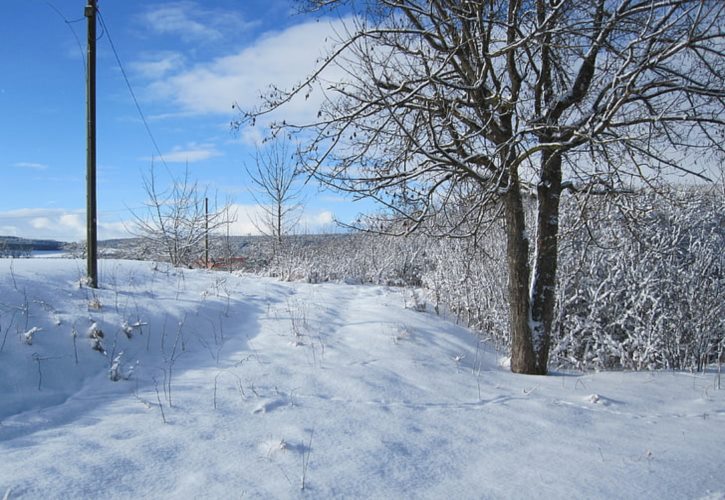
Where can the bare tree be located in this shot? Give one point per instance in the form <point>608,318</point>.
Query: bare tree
<point>499,101</point>
<point>176,223</point>
<point>274,178</point>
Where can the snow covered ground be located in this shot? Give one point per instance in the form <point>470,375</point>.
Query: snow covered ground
<point>242,387</point>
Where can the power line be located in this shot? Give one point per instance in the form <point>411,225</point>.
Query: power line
<point>107,33</point>
<point>70,27</point>
<point>130,89</point>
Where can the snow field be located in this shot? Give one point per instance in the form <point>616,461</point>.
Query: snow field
<point>245,387</point>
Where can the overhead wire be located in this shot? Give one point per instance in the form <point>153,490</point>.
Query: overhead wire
<point>107,33</point>
<point>70,23</point>
<point>130,88</point>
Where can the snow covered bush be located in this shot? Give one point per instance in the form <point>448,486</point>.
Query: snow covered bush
<point>642,286</point>
<point>640,283</point>
<point>357,257</point>
<point>28,336</point>
<point>116,372</point>
<point>469,280</point>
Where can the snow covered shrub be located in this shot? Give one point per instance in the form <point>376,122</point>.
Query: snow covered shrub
<point>95,334</point>
<point>360,257</point>
<point>417,303</point>
<point>641,282</point>
<point>469,280</point>
<point>114,371</point>
<point>28,336</point>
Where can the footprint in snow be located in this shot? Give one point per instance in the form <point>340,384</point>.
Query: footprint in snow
<point>273,446</point>
<point>269,405</point>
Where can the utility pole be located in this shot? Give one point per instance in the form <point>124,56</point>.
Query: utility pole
<point>91,218</point>
<point>206,232</point>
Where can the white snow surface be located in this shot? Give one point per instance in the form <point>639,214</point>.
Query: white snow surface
<point>292,390</point>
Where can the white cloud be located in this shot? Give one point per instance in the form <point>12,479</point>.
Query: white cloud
<point>31,165</point>
<point>334,199</point>
<point>280,58</point>
<point>190,156</point>
<point>245,215</point>
<point>70,225</point>
<point>252,136</point>
<point>319,219</point>
<point>158,65</point>
<point>178,18</point>
<point>111,230</point>
<point>190,153</point>
<point>75,222</point>
<point>56,224</point>
<point>310,222</point>
<point>42,223</point>
<point>191,21</point>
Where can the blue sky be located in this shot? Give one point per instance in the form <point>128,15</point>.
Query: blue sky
<point>187,61</point>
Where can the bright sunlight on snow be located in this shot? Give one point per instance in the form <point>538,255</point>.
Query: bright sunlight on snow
<point>170,383</point>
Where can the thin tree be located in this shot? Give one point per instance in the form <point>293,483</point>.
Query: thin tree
<point>276,190</point>
<point>499,101</point>
<point>175,223</point>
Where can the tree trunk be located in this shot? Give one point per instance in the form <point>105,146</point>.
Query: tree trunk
<point>543,284</point>
<point>523,359</point>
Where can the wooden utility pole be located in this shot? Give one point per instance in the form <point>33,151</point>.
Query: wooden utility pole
<point>91,218</point>
<point>206,232</point>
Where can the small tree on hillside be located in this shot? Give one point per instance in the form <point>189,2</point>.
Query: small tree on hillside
<point>498,101</point>
<point>274,187</point>
<point>176,225</point>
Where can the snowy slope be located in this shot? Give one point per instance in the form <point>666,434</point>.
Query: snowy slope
<point>247,387</point>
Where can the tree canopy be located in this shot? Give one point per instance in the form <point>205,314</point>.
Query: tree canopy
<point>483,104</point>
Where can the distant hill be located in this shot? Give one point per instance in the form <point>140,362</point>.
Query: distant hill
<point>12,245</point>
